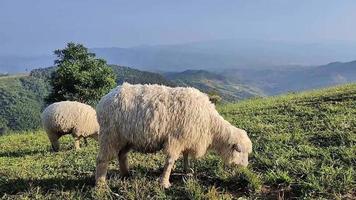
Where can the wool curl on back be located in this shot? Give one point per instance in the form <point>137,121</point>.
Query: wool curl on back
<point>69,117</point>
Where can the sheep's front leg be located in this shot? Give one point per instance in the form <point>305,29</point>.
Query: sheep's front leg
<point>86,142</point>
<point>123,162</point>
<point>77,143</point>
<point>54,141</point>
<point>164,181</point>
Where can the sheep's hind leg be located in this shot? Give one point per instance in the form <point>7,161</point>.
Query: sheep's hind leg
<point>102,162</point>
<point>101,171</point>
<point>164,180</point>
<point>123,162</point>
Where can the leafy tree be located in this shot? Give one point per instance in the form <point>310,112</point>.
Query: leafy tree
<point>79,76</point>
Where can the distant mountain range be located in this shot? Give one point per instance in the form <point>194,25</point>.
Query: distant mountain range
<point>232,85</point>
<point>22,64</point>
<point>233,53</point>
<point>208,82</point>
<point>207,55</point>
<point>235,84</point>
<point>230,89</point>
<point>277,81</point>
<point>234,69</point>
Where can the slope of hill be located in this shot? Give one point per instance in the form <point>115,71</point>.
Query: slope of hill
<point>304,144</point>
<point>230,89</point>
<point>123,74</point>
<point>135,76</point>
<point>303,148</point>
<point>21,101</point>
<point>22,96</point>
<point>277,81</point>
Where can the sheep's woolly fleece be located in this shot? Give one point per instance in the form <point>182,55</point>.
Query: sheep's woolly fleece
<point>70,117</point>
<point>149,118</point>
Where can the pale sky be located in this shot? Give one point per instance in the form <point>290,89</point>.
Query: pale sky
<point>40,26</point>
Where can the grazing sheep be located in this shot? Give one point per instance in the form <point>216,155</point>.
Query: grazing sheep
<point>148,118</point>
<point>69,117</point>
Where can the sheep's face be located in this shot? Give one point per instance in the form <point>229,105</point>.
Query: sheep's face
<point>239,148</point>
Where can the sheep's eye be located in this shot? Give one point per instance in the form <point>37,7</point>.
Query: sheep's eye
<point>236,147</point>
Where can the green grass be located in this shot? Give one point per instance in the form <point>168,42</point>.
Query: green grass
<point>304,147</point>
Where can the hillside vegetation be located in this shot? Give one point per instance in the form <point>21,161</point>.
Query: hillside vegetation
<point>21,101</point>
<point>123,74</point>
<point>304,147</point>
<point>22,96</point>
<point>135,76</point>
<point>229,89</point>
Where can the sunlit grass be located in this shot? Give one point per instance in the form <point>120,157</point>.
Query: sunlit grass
<point>304,147</point>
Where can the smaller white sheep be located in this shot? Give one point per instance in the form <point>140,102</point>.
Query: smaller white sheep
<point>69,117</point>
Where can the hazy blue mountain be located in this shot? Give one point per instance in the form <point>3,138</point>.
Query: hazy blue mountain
<point>209,82</point>
<point>208,55</point>
<point>21,64</point>
<point>276,81</point>
<point>237,54</point>
<point>230,89</point>
<point>272,66</point>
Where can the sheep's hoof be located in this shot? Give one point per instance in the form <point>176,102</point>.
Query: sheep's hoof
<point>101,185</point>
<point>54,150</point>
<point>125,175</point>
<point>165,184</point>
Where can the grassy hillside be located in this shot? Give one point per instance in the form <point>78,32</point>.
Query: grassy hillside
<point>135,76</point>
<point>123,74</point>
<point>304,146</point>
<point>22,96</point>
<point>21,101</point>
<point>230,89</point>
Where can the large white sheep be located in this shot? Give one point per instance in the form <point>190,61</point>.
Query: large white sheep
<point>148,118</point>
<point>69,117</point>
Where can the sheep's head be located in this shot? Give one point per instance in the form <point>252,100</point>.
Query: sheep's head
<point>238,148</point>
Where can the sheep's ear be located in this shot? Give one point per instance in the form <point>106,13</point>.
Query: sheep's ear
<point>237,147</point>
